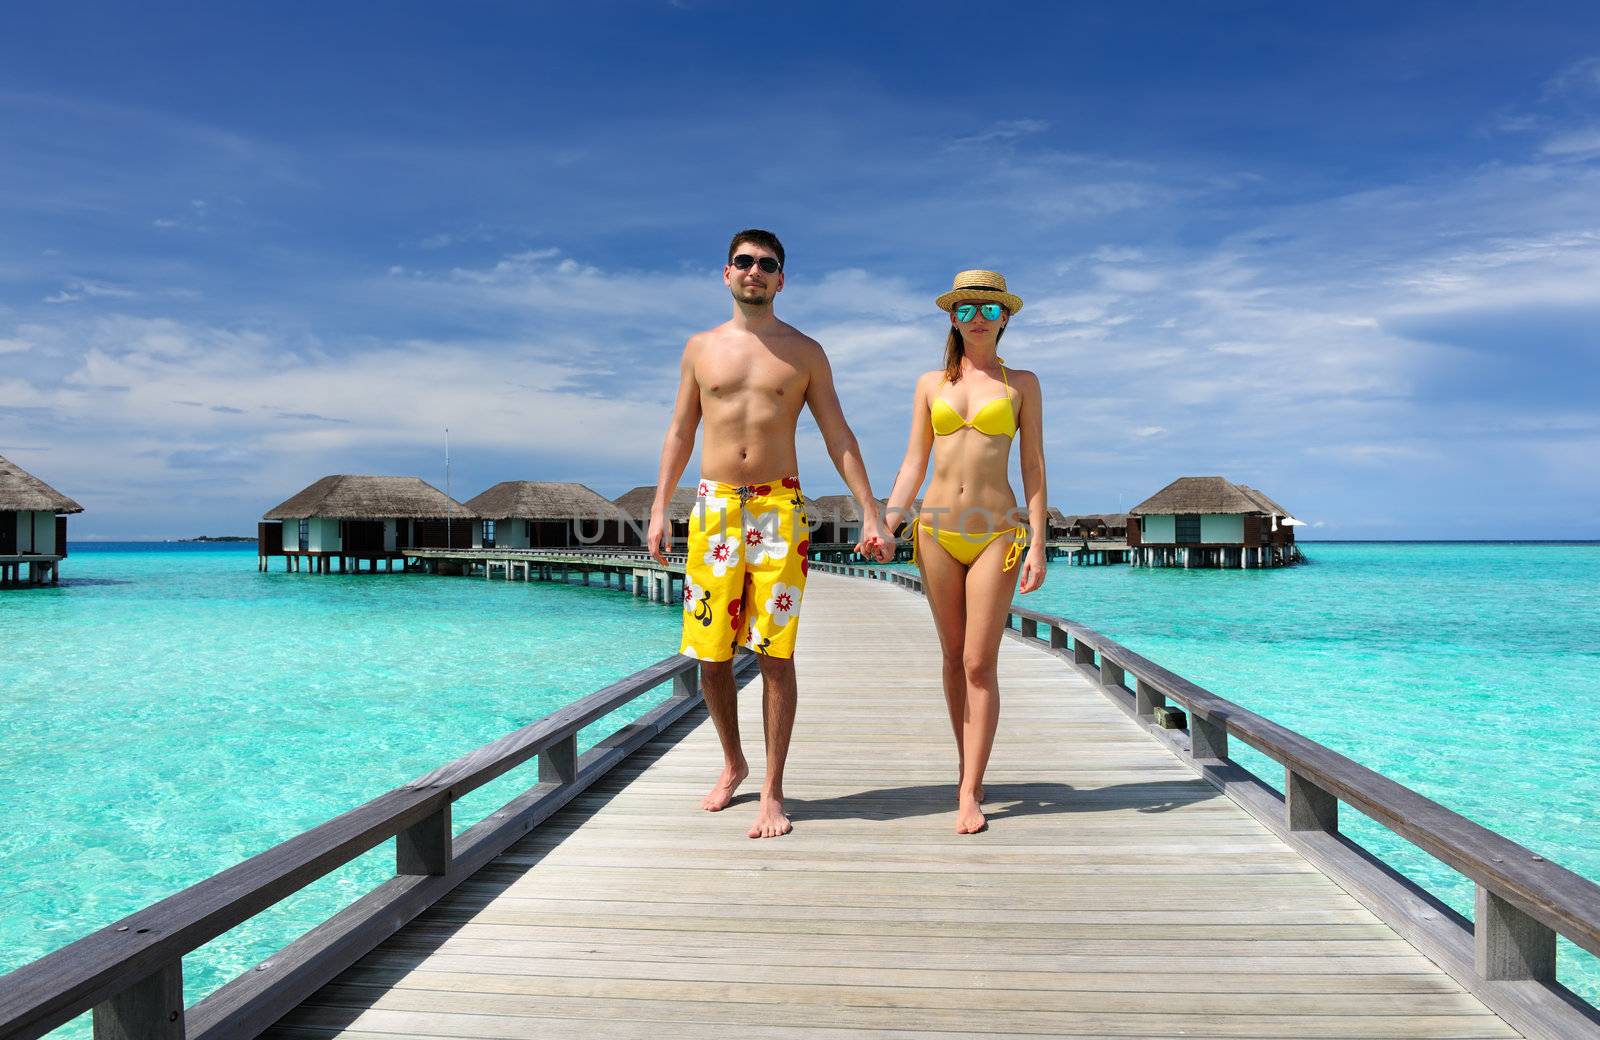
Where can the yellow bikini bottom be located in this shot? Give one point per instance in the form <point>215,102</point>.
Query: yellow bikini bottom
<point>964,548</point>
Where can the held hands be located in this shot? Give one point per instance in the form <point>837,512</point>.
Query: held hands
<point>876,541</point>
<point>1033,569</point>
<point>876,549</point>
<point>659,540</point>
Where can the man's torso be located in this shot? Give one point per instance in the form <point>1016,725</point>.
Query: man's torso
<point>751,391</point>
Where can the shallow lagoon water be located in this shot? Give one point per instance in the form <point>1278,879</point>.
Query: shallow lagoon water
<point>170,711</point>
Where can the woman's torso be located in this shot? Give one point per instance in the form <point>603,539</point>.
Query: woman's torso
<point>970,490</point>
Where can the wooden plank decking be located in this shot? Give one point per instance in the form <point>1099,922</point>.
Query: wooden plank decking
<point>1115,894</point>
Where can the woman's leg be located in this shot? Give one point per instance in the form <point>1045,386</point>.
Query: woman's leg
<point>944,585</point>
<point>989,590</point>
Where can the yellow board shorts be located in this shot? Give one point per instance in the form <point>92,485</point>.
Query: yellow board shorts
<point>746,569</point>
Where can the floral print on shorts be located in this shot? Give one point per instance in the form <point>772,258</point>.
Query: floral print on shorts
<point>746,569</point>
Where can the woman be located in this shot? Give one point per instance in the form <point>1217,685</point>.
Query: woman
<point>966,541</point>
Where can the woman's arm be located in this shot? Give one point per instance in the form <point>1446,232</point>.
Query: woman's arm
<point>915,465</point>
<point>1033,480</point>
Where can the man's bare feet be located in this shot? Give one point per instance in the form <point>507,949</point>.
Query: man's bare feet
<point>771,823</point>
<point>969,817</point>
<point>721,795</point>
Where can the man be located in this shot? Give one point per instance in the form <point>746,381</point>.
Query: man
<point>747,379</point>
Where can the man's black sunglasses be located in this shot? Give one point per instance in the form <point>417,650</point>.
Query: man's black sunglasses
<point>744,261</point>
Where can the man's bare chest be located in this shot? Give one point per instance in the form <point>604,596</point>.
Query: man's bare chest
<point>733,380</point>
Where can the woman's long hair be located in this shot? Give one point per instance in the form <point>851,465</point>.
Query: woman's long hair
<point>955,348</point>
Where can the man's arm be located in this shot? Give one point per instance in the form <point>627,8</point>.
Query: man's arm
<point>675,451</point>
<point>823,400</point>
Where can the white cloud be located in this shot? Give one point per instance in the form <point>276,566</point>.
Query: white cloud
<point>1003,132</point>
<point>1116,254</point>
<point>90,290</point>
<point>1581,143</point>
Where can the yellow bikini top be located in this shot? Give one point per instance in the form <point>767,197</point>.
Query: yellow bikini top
<point>991,418</point>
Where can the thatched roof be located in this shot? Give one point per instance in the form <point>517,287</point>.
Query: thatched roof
<point>542,500</point>
<point>1267,503</point>
<point>840,509</point>
<point>371,498</point>
<point>1200,495</point>
<point>637,502</point>
<point>21,491</point>
<point>1108,519</point>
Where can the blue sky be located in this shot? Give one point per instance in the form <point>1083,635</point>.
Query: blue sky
<point>1349,256</point>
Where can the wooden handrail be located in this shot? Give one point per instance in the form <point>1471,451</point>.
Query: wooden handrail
<point>1561,899</point>
<point>585,553</point>
<point>1524,900</point>
<point>128,968</point>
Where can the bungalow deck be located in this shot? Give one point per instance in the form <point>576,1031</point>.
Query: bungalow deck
<point>1133,882</point>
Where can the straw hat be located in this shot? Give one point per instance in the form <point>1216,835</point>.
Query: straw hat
<point>980,285</point>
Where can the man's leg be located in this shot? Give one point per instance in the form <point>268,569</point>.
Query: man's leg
<point>777,715</point>
<point>712,612</point>
<point>716,685</point>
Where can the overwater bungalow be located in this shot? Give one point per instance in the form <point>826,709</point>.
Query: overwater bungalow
<point>836,519</point>
<point>539,514</point>
<point>33,527</point>
<point>350,519</point>
<point>636,505</point>
<point>1097,525</point>
<point>1211,522</point>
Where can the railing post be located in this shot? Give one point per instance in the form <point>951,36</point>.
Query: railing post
<point>1082,653</point>
<point>1207,739</point>
<point>686,684</point>
<point>1030,628</point>
<point>425,847</point>
<point>1510,945</point>
<point>1058,638</point>
<point>1146,698</point>
<point>559,762</point>
<point>150,1009</point>
<point>1307,806</point>
<point>1111,674</point>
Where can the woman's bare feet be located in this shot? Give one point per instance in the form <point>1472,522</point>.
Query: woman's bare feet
<point>721,796</point>
<point>771,823</point>
<point>969,817</point>
<point>958,783</point>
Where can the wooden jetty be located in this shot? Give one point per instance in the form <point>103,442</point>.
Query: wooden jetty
<point>1094,552</point>
<point>1078,552</point>
<point>631,570</point>
<point>1135,880</point>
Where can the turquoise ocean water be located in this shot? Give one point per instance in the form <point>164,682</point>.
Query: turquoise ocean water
<point>170,711</point>
<point>1468,672</point>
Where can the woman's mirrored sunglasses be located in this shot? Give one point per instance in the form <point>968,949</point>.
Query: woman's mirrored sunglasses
<point>744,261</point>
<point>965,312</point>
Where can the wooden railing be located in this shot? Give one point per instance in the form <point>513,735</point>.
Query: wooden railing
<point>596,554</point>
<point>1506,955</point>
<point>130,974</point>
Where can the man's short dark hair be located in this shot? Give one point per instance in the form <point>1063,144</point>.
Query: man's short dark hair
<point>757,237</point>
